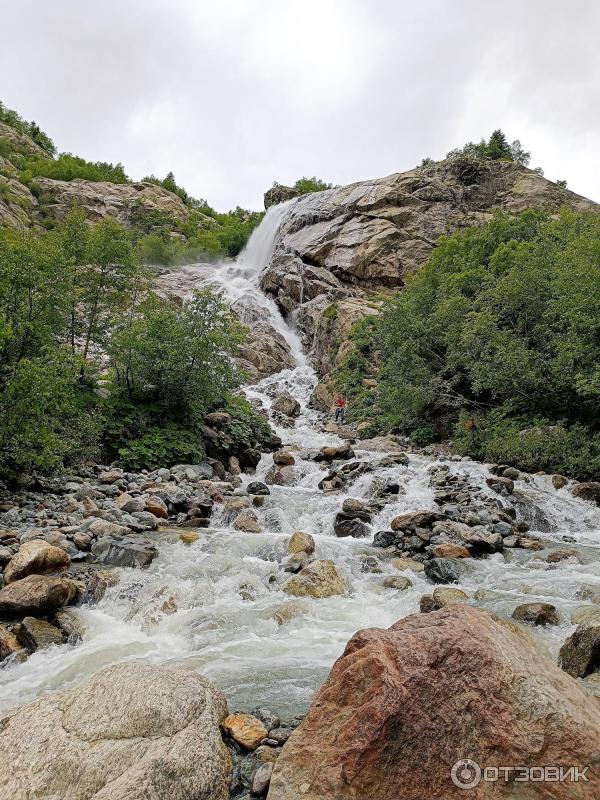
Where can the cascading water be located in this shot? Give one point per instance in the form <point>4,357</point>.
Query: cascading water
<point>209,605</point>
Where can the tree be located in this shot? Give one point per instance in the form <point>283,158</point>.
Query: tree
<point>498,147</point>
<point>519,155</point>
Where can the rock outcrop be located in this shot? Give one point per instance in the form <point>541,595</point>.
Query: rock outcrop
<point>341,245</point>
<point>402,706</point>
<point>130,733</point>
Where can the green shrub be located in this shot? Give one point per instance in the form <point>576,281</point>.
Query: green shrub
<point>31,129</point>
<point>67,167</point>
<point>162,447</point>
<point>314,184</point>
<point>247,427</point>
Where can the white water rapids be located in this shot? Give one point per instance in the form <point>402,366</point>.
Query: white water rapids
<point>209,605</point>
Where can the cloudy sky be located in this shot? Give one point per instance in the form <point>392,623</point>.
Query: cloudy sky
<point>234,94</point>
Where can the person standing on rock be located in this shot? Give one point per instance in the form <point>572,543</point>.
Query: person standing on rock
<point>340,408</point>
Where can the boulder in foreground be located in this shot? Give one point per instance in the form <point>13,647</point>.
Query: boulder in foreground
<point>401,706</point>
<point>131,732</point>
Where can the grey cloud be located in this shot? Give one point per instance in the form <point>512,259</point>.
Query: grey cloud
<point>234,95</point>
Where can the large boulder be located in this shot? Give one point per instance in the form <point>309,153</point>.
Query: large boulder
<point>580,654</point>
<point>587,491</point>
<point>35,595</point>
<point>125,551</point>
<point>318,579</point>
<point>286,404</point>
<point>35,556</point>
<point>402,706</point>
<point>132,732</point>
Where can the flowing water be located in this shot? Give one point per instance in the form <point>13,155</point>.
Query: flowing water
<point>209,605</point>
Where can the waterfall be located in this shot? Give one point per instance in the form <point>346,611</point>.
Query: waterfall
<point>210,605</point>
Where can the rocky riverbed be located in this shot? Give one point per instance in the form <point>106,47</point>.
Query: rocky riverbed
<point>192,632</point>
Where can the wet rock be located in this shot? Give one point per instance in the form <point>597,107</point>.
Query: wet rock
<point>261,779</point>
<point>501,485</point>
<point>37,634</point>
<point>404,564</point>
<point>104,527</point>
<point>587,491</point>
<point>393,460</point>
<point>287,611</point>
<point>387,539</point>
<point>511,473</point>
<point>318,579</point>
<point>280,735</point>
<point>35,595</point>
<point>286,404</point>
<point>258,488</point>
<point>163,742</point>
<point>267,717</point>
<point>449,550</point>
<point>283,458</point>
<point>352,506</point>
<point>414,519</point>
<point>217,419</point>
<point>280,476</point>
<point>427,604</point>
<point>246,729</point>
<point>561,555</point>
<point>301,542</point>
<point>71,625</point>
<point>580,654</point>
<point>537,614</point>
<point>349,526</point>
<point>559,481</point>
<point>154,505</point>
<point>585,614</point>
<point>82,541</point>
<point>37,557</point>
<point>125,551</point>
<point>443,596</point>
<point>130,504</point>
<point>527,543</point>
<point>384,682</point>
<point>444,570</point>
<point>398,582</point>
<point>343,451</point>
<point>247,522</point>
<point>296,562</point>
<point>233,505</point>
<point>9,645</point>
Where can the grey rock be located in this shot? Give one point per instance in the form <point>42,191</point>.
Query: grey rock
<point>125,551</point>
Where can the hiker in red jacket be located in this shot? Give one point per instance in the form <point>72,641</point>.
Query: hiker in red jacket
<point>340,408</point>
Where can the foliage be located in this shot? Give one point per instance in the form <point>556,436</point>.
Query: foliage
<point>162,446</point>
<point>247,427</point>
<point>67,167</point>
<point>305,185</point>
<point>496,148</point>
<point>169,183</point>
<point>502,316</point>
<point>31,129</point>
<point>46,418</point>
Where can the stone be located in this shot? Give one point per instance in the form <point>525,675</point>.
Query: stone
<point>37,634</point>
<point>82,541</point>
<point>351,505</point>
<point>262,778</point>
<point>280,735</point>
<point>130,504</point>
<point>287,611</point>
<point>444,596</point>
<point>104,527</point>
<point>296,562</point>
<point>280,476</point>
<point>283,458</point>
<point>258,488</point>
<point>318,579</point>
<point>444,570</point>
<point>233,465</point>
<point>580,653</point>
<point>561,555</point>
<point>345,526</point>
<point>387,539</point>
<point>247,522</point>
<point>500,485</point>
<point>301,542</point>
<point>35,556</point>
<point>163,742</point>
<point>537,614</point>
<point>125,551</point>
<point>9,645</point>
<point>585,614</point>
<point>388,723</point>
<point>559,481</point>
<point>398,582</point>
<point>449,550</point>
<point>70,622</point>
<point>427,604</point>
<point>246,729</point>
<point>589,491</point>
<point>110,476</point>
<point>286,404</point>
<point>217,419</point>
<point>404,564</point>
<point>233,505</point>
<point>35,595</point>
<point>414,519</point>
<point>189,537</point>
<point>511,473</point>
<point>154,505</point>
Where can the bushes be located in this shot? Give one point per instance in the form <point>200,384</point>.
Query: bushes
<point>501,317</point>
<point>306,185</point>
<point>31,129</point>
<point>67,167</point>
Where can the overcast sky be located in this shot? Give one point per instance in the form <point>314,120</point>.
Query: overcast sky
<point>234,94</point>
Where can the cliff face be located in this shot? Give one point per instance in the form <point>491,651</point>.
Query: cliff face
<point>347,244</point>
